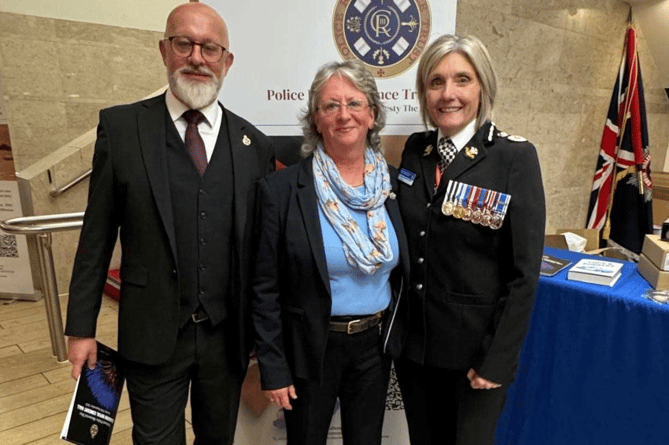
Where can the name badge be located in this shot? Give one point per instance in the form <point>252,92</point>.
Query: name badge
<point>406,176</point>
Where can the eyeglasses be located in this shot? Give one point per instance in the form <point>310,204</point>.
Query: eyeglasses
<point>354,106</point>
<point>183,47</point>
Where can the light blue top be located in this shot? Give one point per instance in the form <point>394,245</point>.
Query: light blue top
<point>355,292</point>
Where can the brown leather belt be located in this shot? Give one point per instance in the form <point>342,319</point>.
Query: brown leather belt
<point>357,325</point>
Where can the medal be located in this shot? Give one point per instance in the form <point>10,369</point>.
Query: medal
<point>479,199</point>
<point>459,210</point>
<point>500,211</point>
<point>466,204</point>
<point>487,212</point>
<point>447,206</point>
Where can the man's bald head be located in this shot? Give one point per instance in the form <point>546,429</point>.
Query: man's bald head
<point>187,14</point>
<point>195,79</point>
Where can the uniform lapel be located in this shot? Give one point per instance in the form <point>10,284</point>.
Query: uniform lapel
<point>244,164</point>
<point>308,203</point>
<point>470,155</point>
<point>427,163</point>
<point>152,140</point>
<point>393,209</point>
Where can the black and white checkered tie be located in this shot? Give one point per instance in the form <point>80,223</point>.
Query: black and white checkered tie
<point>447,152</point>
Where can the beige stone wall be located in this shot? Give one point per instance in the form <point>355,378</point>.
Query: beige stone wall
<point>556,61</point>
<point>58,74</point>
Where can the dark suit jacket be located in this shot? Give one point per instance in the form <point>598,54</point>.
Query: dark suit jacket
<point>292,304</point>
<point>129,189</point>
<point>471,287</point>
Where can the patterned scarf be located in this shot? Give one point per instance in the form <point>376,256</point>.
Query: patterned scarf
<point>335,197</point>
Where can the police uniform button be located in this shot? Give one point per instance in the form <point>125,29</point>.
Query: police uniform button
<point>421,260</point>
<point>429,204</point>
<point>421,233</point>
<point>419,286</point>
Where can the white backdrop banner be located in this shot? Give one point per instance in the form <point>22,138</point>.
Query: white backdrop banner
<point>279,46</point>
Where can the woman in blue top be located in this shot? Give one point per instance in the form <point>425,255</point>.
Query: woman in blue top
<point>330,265</point>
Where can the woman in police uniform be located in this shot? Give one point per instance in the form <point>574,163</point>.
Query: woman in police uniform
<point>473,207</point>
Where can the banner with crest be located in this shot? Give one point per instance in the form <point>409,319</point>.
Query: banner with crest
<point>279,48</point>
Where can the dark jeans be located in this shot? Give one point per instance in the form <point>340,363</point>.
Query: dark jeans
<point>356,372</point>
<point>158,394</point>
<point>442,409</point>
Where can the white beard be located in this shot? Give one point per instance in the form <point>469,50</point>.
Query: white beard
<point>195,94</point>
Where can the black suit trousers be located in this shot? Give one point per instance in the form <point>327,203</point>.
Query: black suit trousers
<point>158,394</point>
<point>443,409</point>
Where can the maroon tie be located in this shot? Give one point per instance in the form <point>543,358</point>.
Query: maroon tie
<point>193,140</point>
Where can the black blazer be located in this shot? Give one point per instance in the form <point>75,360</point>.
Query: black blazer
<point>129,189</point>
<point>292,304</point>
<point>472,287</point>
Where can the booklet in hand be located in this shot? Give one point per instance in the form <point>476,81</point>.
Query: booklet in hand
<point>92,412</point>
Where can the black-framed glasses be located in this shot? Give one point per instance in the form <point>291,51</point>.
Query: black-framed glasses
<point>183,47</point>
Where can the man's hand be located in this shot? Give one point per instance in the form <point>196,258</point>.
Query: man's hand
<point>282,396</point>
<point>81,351</point>
<point>478,382</point>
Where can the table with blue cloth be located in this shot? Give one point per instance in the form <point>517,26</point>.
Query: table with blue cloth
<point>594,368</point>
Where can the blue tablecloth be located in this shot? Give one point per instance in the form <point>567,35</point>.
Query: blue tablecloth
<point>594,368</point>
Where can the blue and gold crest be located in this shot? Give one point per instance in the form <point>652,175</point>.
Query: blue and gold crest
<point>388,36</point>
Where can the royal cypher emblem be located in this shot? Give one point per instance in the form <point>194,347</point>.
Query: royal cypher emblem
<point>388,36</point>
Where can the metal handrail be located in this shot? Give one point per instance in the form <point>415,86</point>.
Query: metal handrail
<point>62,189</point>
<point>42,227</point>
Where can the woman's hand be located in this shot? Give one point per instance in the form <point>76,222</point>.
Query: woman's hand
<point>478,382</point>
<point>282,396</point>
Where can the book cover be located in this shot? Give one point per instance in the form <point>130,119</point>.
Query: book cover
<point>596,271</point>
<point>92,412</point>
<point>551,265</point>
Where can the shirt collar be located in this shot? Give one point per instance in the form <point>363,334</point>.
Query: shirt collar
<point>176,108</point>
<point>463,136</point>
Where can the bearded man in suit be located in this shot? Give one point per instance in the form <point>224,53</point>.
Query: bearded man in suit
<point>175,176</point>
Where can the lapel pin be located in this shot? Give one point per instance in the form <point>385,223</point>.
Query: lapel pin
<point>471,152</point>
<point>246,141</point>
<point>392,195</point>
<point>428,150</point>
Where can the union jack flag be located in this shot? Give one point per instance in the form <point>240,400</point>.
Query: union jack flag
<point>620,200</point>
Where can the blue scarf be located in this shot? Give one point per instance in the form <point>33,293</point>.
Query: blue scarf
<point>336,197</point>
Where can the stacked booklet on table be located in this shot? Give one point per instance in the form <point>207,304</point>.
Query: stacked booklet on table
<point>596,271</point>
<point>550,265</point>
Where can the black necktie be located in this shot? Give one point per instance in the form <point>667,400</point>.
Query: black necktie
<point>194,142</point>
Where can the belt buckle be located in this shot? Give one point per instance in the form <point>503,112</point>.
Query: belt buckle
<point>352,324</point>
<point>197,319</point>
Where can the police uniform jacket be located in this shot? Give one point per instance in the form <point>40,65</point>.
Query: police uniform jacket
<point>472,287</point>
<point>293,301</point>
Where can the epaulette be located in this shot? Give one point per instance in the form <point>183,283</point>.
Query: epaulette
<point>502,134</point>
